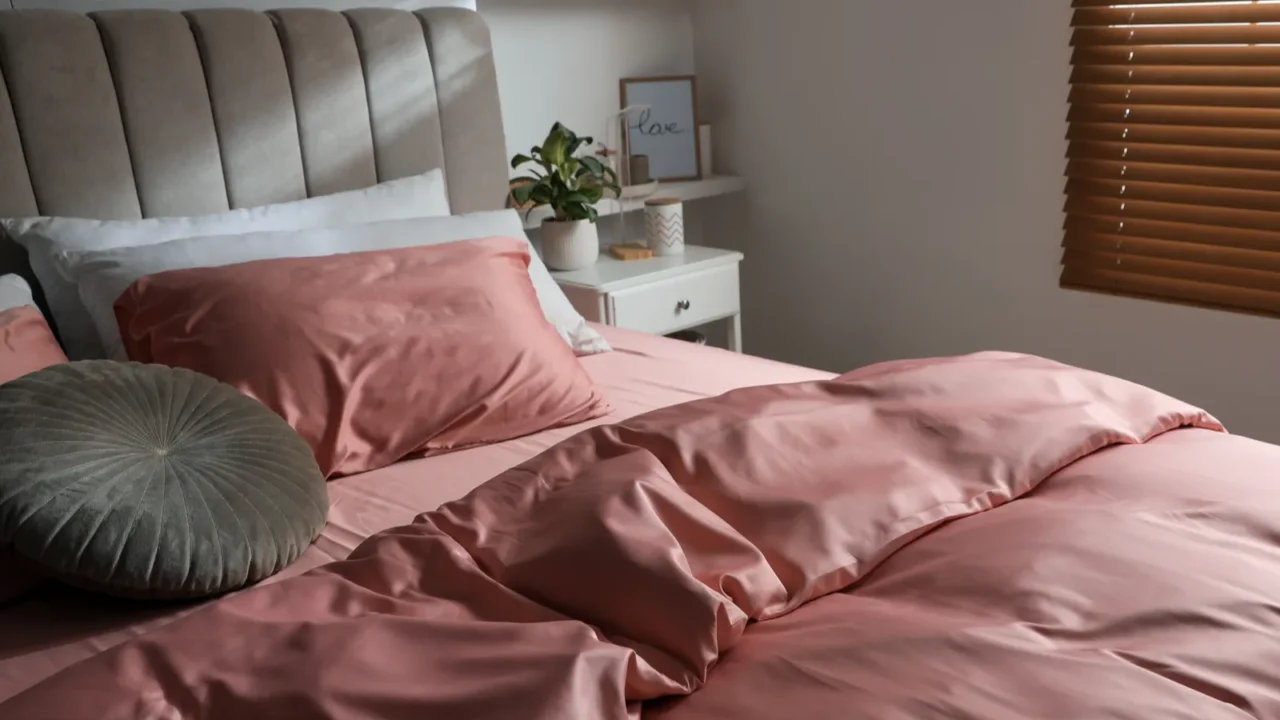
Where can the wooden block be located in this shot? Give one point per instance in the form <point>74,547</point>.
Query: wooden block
<point>630,252</point>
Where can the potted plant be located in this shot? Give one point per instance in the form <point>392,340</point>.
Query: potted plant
<point>571,186</point>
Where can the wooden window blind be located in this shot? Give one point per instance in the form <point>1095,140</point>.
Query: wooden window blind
<point>1173,171</point>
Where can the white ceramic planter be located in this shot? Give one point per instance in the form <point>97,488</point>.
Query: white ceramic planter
<point>570,245</point>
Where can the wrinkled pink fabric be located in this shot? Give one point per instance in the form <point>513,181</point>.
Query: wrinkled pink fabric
<point>1141,583</point>
<point>621,566</point>
<point>373,356</point>
<point>57,627</point>
<point>26,345</point>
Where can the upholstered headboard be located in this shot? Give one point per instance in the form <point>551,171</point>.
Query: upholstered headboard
<point>143,113</point>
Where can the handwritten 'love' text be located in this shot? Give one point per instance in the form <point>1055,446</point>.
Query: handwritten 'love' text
<point>646,125</point>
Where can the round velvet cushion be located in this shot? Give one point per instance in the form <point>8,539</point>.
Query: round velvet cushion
<point>151,482</point>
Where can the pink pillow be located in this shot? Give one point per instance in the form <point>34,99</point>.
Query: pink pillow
<point>372,357</point>
<point>26,343</point>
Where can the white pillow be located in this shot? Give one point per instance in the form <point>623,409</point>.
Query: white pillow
<point>14,292</point>
<point>103,276</point>
<point>46,238</point>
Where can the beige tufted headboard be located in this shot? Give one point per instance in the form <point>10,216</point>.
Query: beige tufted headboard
<point>144,113</point>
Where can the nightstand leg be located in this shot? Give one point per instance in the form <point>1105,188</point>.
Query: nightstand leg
<point>735,333</point>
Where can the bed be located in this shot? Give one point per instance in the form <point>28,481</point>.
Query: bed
<point>265,114</point>
<point>59,626</point>
<point>984,537</point>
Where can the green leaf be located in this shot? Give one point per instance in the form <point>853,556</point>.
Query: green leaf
<point>592,214</point>
<point>542,194</point>
<point>576,198</point>
<point>556,183</point>
<point>554,149</point>
<point>523,193</point>
<point>593,194</point>
<point>592,165</point>
<point>519,160</point>
<point>576,211</point>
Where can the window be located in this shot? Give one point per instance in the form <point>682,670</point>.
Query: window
<point>1173,188</point>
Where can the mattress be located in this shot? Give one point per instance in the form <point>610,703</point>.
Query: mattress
<point>57,626</point>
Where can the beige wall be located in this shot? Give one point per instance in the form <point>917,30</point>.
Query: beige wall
<point>905,160</point>
<point>562,59</point>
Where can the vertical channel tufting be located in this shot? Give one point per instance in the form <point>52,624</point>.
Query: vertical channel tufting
<point>16,197</point>
<point>403,111</point>
<point>66,110</point>
<point>167,117</point>
<point>380,94</point>
<point>475,150</point>
<point>252,106</point>
<point>329,96</point>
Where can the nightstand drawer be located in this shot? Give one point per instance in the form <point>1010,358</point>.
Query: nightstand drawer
<point>678,303</point>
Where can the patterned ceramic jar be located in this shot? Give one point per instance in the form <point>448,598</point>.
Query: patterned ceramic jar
<point>664,226</point>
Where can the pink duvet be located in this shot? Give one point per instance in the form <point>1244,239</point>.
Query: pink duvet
<point>916,540</point>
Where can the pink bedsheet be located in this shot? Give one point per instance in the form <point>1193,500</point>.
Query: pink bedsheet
<point>922,539</point>
<point>58,627</point>
<point>1141,583</point>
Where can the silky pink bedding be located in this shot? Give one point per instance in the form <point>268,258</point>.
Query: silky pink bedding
<point>58,627</point>
<point>372,357</point>
<point>922,539</point>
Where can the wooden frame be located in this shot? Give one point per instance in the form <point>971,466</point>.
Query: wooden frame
<point>697,117</point>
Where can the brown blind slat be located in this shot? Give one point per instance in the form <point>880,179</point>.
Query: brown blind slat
<point>1134,135</point>
<point>1175,155</point>
<point>1168,250</point>
<point>1083,204</point>
<point>1131,55</point>
<point>1186,36</point>
<point>1211,75</point>
<point>1177,194</point>
<point>1128,3</point>
<point>1183,15</point>
<point>1078,224</point>
<point>1177,290</point>
<point>1128,95</point>
<point>1173,165</point>
<point>1174,174</point>
<point>1161,267</point>
<point>1258,118</point>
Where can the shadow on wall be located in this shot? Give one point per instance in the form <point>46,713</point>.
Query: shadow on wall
<point>544,78</point>
<point>155,139</point>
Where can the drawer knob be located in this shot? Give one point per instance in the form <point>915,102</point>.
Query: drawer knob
<point>683,306</point>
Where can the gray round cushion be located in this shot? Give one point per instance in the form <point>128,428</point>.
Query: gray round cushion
<point>152,482</point>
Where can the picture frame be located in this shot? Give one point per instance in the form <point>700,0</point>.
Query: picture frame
<point>667,129</point>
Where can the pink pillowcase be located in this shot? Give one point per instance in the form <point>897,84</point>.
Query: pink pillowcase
<point>26,343</point>
<point>372,357</point>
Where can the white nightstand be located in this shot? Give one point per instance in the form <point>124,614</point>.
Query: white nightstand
<point>662,295</point>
